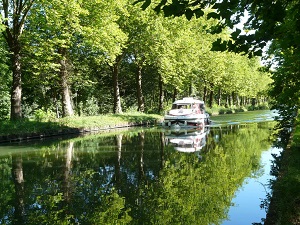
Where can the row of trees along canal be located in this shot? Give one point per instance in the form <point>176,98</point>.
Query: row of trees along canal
<point>89,57</point>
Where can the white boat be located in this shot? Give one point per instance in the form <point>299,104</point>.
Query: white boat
<point>187,113</point>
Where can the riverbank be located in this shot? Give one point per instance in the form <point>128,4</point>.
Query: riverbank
<point>26,129</point>
<point>42,127</point>
<point>284,208</point>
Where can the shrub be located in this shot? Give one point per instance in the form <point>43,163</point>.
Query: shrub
<point>4,105</point>
<point>42,115</point>
<point>90,107</point>
<point>263,106</point>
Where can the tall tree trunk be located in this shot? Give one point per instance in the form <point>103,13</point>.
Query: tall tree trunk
<point>190,89</point>
<point>233,98</point>
<point>219,97</point>
<point>227,104</point>
<point>238,101</point>
<point>16,89</point>
<point>66,98</point>
<point>204,93</point>
<point>211,98</point>
<point>161,95</point>
<point>115,76</point>
<point>174,95</point>
<point>140,97</point>
<point>14,15</point>
<point>211,95</point>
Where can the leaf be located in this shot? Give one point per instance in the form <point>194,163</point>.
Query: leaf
<point>213,15</point>
<point>198,13</point>
<point>146,4</point>
<point>159,6</point>
<point>258,52</point>
<point>262,45</point>
<point>219,45</point>
<point>235,34</point>
<point>138,1</point>
<point>189,14</point>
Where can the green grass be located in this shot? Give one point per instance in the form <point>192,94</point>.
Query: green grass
<point>91,122</point>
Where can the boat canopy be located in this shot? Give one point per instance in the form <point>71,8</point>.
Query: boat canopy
<point>186,101</point>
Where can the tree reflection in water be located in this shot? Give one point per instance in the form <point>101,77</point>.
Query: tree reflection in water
<point>129,178</point>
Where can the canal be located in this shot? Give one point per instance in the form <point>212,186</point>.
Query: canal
<point>218,175</point>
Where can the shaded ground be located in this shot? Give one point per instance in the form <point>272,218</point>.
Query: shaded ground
<point>284,206</point>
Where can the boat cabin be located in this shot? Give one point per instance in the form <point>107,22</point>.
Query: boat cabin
<point>189,103</point>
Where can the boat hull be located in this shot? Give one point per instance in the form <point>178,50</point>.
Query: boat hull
<point>186,121</point>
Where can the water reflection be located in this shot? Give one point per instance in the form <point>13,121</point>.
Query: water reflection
<point>136,177</point>
<point>191,140</point>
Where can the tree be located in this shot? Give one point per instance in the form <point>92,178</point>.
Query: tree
<point>14,15</point>
<point>284,53</point>
<point>64,39</point>
<point>103,33</point>
<point>137,27</point>
<point>61,26</point>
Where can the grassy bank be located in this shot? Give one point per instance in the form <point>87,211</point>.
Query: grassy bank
<point>285,201</point>
<point>10,129</point>
<point>220,110</point>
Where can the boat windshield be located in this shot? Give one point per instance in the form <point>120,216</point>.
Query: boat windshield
<point>181,106</point>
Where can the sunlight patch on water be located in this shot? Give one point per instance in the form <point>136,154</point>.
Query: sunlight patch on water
<point>244,117</point>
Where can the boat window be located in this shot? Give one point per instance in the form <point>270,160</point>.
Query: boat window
<point>181,106</point>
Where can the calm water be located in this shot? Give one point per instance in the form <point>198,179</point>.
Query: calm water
<point>142,176</point>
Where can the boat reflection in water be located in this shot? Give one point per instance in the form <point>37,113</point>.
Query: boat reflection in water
<point>187,140</point>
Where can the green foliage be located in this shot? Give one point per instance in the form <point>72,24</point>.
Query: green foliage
<point>4,104</point>
<point>54,214</point>
<point>112,211</point>
<point>42,115</point>
<point>268,21</point>
<point>90,108</point>
<point>262,106</point>
<point>91,38</point>
<point>5,80</point>
<point>174,51</point>
<point>215,110</point>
